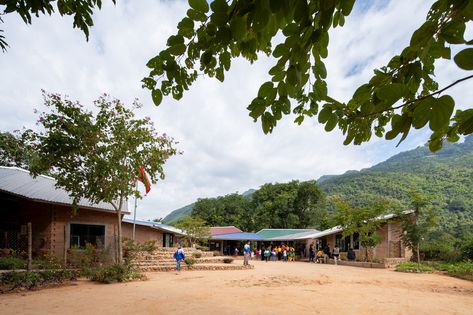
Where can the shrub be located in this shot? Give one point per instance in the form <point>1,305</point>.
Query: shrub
<point>11,263</point>
<point>189,261</point>
<point>228,260</point>
<point>413,267</point>
<point>462,270</point>
<point>467,249</point>
<point>13,280</point>
<point>115,273</point>
<point>216,253</point>
<point>197,255</point>
<point>148,246</point>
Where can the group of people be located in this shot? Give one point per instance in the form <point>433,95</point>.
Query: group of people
<point>275,253</point>
<point>323,254</point>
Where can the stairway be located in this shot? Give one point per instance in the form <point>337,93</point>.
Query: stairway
<point>162,260</point>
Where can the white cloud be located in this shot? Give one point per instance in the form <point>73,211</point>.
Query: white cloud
<point>224,151</point>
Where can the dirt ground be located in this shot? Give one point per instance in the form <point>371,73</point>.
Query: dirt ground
<point>270,288</point>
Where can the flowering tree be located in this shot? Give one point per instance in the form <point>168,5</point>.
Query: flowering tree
<point>98,156</point>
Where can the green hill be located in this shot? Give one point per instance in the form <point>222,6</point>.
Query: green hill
<point>446,177</point>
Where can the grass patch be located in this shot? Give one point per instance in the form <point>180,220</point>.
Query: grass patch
<point>414,267</point>
<point>463,270</point>
<point>11,263</point>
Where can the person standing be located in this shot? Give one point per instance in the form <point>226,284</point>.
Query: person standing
<point>247,253</point>
<point>326,253</point>
<point>311,253</point>
<point>179,256</point>
<point>336,253</point>
<point>351,255</point>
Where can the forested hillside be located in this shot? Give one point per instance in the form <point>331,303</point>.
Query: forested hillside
<point>445,177</point>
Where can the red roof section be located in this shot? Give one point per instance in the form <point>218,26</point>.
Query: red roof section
<point>217,230</point>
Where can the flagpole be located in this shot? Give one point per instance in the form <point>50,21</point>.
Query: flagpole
<point>134,212</point>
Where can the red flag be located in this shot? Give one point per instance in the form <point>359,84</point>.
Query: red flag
<point>143,177</point>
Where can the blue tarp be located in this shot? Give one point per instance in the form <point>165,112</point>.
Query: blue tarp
<point>242,236</point>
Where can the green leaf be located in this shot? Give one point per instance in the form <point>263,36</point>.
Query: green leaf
<point>441,112</point>
<point>238,27</point>
<point>199,5</point>
<point>177,49</point>
<point>453,32</point>
<point>421,113</point>
<point>324,115</point>
<point>331,122</point>
<point>225,59</point>
<point>464,59</point>
<point>423,34</point>
<point>196,15</point>
<point>346,6</point>
<point>464,119</point>
<point>157,96</point>
<point>391,93</point>
<point>175,40</point>
<point>267,90</point>
<point>280,50</point>
<point>219,6</point>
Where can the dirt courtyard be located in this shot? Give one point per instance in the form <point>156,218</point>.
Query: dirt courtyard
<point>270,288</point>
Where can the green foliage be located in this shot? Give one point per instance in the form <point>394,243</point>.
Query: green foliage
<point>81,10</point>
<point>88,258</point>
<point>414,267</point>
<point>208,39</point>
<point>364,221</point>
<point>98,156</point>
<point>197,255</point>
<point>15,150</point>
<point>14,280</point>
<point>11,263</point>
<point>288,205</point>
<point>227,260</point>
<point>443,247</point>
<point>189,261</point>
<point>467,249</point>
<point>194,229</point>
<point>417,224</point>
<point>463,270</point>
<point>115,273</point>
<point>221,211</point>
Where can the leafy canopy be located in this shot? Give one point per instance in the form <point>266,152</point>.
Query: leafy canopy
<point>97,156</point>
<point>401,95</point>
<point>15,150</point>
<point>81,10</point>
<point>195,229</point>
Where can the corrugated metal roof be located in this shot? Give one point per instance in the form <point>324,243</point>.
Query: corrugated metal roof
<point>241,236</point>
<point>217,230</point>
<point>156,225</point>
<point>281,234</point>
<point>19,182</point>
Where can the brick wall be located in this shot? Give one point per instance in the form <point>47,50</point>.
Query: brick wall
<point>142,233</point>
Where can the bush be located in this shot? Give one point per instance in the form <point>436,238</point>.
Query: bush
<point>441,248</point>
<point>216,253</point>
<point>13,280</point>
<point>11,263</point>
<point>148,246</point>
<point>413,267</point>
<point>189,261</point>
<point>467,249</point>
<point>115,273</point>
<point>462,270</point>
<point>197,255</point>
<point>228,260</point>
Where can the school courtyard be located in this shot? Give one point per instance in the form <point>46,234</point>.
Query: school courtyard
<point>269,288</point>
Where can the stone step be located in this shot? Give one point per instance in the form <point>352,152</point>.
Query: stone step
<point>198,267</point>
<point>150,262</point>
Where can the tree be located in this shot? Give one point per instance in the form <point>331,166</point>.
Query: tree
<point>81,10</point>
<point>233,209</point>
<point>195,229</point>
<point>418,224</point>
<point>403,93</point>
<point>364,221</point>
<point>288,205</point>
<point>98,156</point>
<point>14,149</point>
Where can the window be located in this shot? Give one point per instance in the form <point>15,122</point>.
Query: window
<point>87,233</point>
<point>168,240</point>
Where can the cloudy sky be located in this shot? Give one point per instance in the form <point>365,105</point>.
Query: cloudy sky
<point>224,151</point>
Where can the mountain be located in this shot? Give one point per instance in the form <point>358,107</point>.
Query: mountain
<point>445,176</point>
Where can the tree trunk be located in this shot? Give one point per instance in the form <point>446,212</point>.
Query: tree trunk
<point>366,254</point>
<point>418,255</point>
<point>119,235</point>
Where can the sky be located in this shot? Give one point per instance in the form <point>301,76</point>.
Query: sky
<point>224,151</point>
